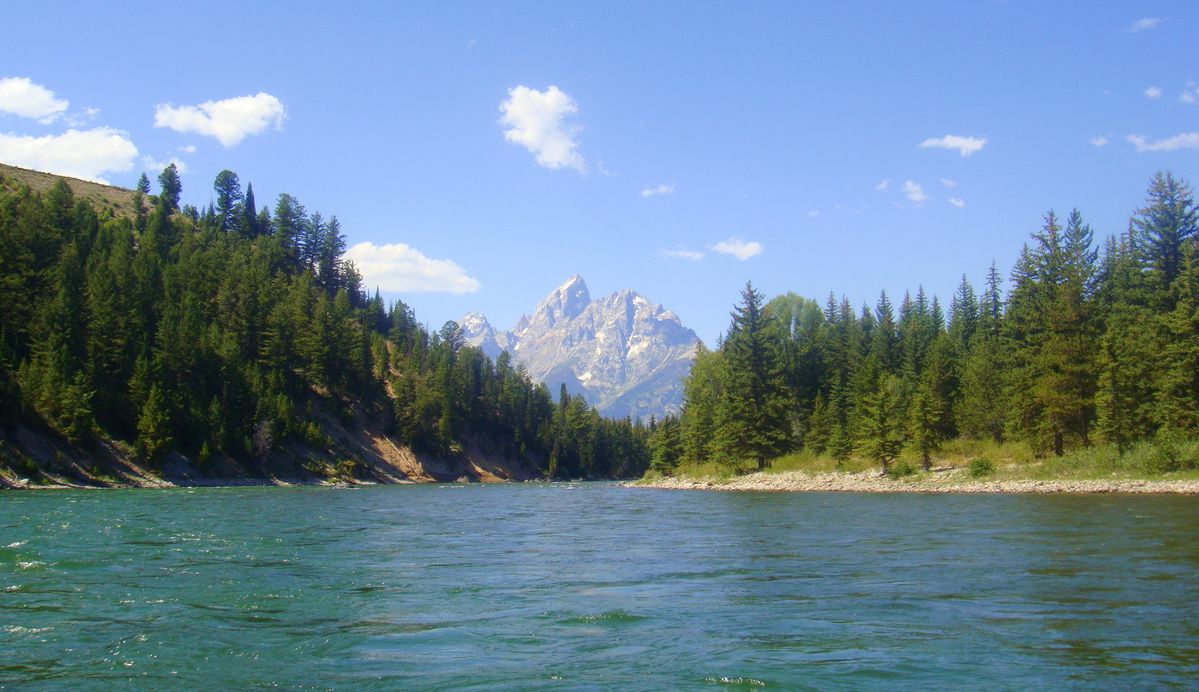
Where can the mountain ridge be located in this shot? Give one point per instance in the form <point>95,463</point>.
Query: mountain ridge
<point>626,355</point>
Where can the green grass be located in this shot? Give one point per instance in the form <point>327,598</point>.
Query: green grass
<point>1167,457</point>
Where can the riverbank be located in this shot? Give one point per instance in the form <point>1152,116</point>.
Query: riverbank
<point>941,481</point>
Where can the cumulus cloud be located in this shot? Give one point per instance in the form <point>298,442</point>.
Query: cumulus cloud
<point>963,145</point>
<point>404,269</point>
<point>21,97</point>
<point>1153,93</point>
<point>957,202</point>
<point>660,189</point>
<point>536,120</point>
<point>883,185</point>
<point>1185,140</point>
<point>229,121</point>
<point>1144,24</point>
<point>741,249</point>
<point>1099,141</point>
<point>914,191</point>
<point>86,154</point>
<point>949,183</point>
<point>682,253</point>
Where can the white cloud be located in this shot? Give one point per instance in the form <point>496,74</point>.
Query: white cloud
<point>153,167</point>
<point>814,213</point>
<point>229,121</point>
<point>949,183</point>
<point>883,185</point>
<point>738,248</point>
<point>1190,94</point>
<point>401,268</point>
<point>1099,141</point>
<point>86,154</point>
<point>681,253</point>
<point>914,192</point>
<point>535,120</point>
<point>957,202</point>
<point>21,97</point>
<point>963,145</point>
<point>1185,140</point>
<point>660,189</point>
<point>1144,24</point>
<point>1153,93</point>
<point>188,149</point>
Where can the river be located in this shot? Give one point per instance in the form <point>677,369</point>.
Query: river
<point>593,585</point>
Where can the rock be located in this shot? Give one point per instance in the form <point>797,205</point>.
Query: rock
<point>625,355</point>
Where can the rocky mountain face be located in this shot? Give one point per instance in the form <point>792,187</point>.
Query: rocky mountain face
<point>625,355</point>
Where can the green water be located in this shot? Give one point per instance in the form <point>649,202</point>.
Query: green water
<point>594,586</point>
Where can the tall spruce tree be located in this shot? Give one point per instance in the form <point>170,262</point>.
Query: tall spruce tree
<point>752,419</point>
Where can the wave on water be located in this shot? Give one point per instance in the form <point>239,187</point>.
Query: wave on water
<point>615,617</point>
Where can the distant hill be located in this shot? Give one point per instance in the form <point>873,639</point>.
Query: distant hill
<point>117,199</point>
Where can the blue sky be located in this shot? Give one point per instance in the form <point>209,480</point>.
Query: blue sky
<point>678,149</point>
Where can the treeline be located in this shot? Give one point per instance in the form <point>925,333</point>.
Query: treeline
<point>1086,346</point>
<point>213,332</point>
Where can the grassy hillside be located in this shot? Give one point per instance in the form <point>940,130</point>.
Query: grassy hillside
<point>116,199</point>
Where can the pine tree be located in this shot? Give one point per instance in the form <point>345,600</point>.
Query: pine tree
<point>172,189</point>
<point>153,427</point>
<point>1163,228</point>
<point>881,435</point>
<point>228,201</point>
<point>752,418</point>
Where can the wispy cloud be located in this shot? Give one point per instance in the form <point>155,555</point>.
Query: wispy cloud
<point>1144,24</point>
<point>21,97</point>
<point>400,268</point>
<point>659,189</point>
<point>86,154</point>
<point>949,183</point>
<point>1099,141</point>
<point>739,248</point>
<point>1190,94</point>
<point>536,120</point>
<point>1185,140</point>
<point>914,191</point>
<point>883,185</point>
<point>683,253</point>
<point>957,202</point>
<point>152,167</point>
<point>1153,93</point>
<point>963,145</point>
<point>188,149</point>
<point>814,213</point>
<point>229,121</point>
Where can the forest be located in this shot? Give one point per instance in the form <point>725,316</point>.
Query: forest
<point>217,333</point>
<point>1087,345</point>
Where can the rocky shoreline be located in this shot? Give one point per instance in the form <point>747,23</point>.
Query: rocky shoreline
<point>956,481</point>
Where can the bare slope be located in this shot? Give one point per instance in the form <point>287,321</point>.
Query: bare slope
<point>116,199</point>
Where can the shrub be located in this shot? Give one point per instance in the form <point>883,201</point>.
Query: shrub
<point>981,466</point>
<point>899,469</point>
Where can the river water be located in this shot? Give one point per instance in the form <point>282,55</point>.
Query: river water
<point>594,586</point>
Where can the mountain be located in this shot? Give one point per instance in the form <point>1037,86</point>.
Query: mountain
<point>624,354</point>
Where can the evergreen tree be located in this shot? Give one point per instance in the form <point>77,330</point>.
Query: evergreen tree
<point>171,190</point>
<point>229,211</point>
<point>752,419</point>
<point>881,434</point>
<point>1163,228</point>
